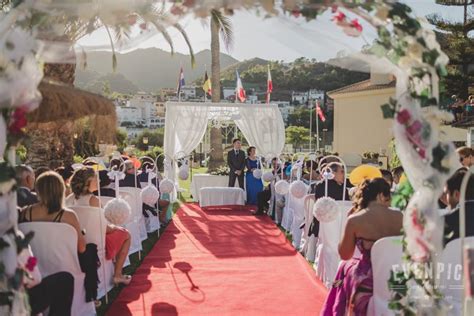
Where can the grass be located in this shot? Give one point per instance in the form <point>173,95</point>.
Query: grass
<point>148,244</point>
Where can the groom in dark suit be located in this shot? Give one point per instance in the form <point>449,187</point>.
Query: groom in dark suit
<point>236,162</point>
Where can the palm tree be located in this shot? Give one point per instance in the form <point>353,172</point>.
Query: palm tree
<point>219,25</point>
<point>148,15</point>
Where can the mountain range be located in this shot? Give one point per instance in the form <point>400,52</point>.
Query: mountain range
<point>146,70</point>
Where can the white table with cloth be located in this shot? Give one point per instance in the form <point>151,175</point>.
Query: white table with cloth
<point>208,180</point>
<point>221,196</point>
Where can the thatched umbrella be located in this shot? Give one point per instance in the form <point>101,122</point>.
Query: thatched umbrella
<point>51,126</point>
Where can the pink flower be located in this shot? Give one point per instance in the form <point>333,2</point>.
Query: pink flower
<point>403,116</point>
<point>355,24</point>
<point>414,128</point>
<point>31,263</point>
<point>17,121</point>
<point>339,17</point>
<point>296,13</point>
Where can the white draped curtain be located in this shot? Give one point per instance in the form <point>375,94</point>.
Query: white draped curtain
<point>263,128</point>
<point>186,123</point>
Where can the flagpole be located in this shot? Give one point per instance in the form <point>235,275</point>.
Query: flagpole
<point>311,125</point>
<point>317,131</point>
<point>205,92</point>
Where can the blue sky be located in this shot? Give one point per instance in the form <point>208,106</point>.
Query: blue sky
<point>278,38</point>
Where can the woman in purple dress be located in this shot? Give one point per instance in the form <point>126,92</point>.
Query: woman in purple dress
<point>369,220</point>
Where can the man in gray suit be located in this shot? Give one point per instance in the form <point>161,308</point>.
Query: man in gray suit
<point>236,162</point>
<point>26,177</point>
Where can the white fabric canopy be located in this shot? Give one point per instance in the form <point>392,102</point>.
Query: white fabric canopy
<point>186,122</point>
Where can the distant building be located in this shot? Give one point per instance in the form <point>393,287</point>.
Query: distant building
<point>359,125</point>
<point>303,97</point>
<point>228,92</point>
<point>166,94</point>
<point>188,92</point>
<point>285,108</point>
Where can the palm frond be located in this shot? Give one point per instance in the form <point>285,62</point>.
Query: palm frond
<point>188,42</point>
<point>165,34</point>
<point>114,56</point>
<point>225,27</point>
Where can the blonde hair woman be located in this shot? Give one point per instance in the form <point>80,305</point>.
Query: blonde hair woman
<point>50,190</point>
<point>117,239</point>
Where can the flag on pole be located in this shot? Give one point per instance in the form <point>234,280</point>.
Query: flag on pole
<point>269,85</point>
<point>239,90</point>
<point>180,81</point>
<point>207,86</point>
<point>320,113</point>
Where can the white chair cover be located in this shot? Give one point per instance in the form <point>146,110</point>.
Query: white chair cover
<point>386,253</point>
<point>298,219</point>
<point>138,211</point>
<point>309,242</point>
<point>152,222</point>
<point>54,257</point>
<point>450,279</point>
<point>287,218</point>
<point>327,255</point>
<point>133,225</point>
<point>93,221</point>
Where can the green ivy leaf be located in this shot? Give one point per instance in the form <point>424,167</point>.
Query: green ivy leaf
<point>388,111</point>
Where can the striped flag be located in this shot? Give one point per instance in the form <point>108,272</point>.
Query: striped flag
<point>269,85</point>
<point>207,86</point>
<point>320,113</point>
<point>180,81</point>
<point>239,90</point>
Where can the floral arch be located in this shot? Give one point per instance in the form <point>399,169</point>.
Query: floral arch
<point>405,44</point>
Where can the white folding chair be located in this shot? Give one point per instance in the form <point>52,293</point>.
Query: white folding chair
<point>92,220</point>
<point>327,256</point>
<point>55,246</point>
<point>386,254</point>
<point>309,246</point>
<point>450,273</point>
<point>132,225</point>
<point>137,209</point>
<point>298,218</point>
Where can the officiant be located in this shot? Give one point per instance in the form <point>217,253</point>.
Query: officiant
<point>236,163</point>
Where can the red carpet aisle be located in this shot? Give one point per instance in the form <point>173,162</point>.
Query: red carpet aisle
<point>222,261</point>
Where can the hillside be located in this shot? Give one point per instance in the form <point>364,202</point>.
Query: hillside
<point>300,75</point>
<point>147,69</point>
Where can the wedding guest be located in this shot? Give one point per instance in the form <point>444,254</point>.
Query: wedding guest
<point>253,185</point>
<point>130,179</point>
<point>397,173</point>
<point>40,170</point>
<point>371,219</point>
<point>117,239</point>
<point>66,174</point>
<point>452,192</point>
<point>387,175</point>
<point>264,196</point>
<point>26,178</point>
<point>50,189</point>
<point>335,190</point>
<point>50,207</point>
<point>236,162</point>
<point>465,156</point>
<point>104,182</point>
<point>311,171</point>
